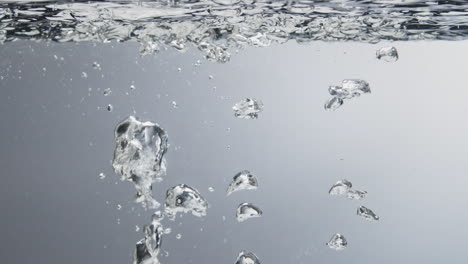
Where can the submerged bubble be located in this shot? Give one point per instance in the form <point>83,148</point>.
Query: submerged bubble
<point>174,104</point>
<point>340,188</point>
<point>337,242</point>
<point>367,214</point>
<point>356,194</point>
<point>102,176</point>
<point>246,211</point>
<point>84,75</point>
<point>107,91</point>
<point>243,180</point>
<point>210,189</point>
<point>147,249</point>
<point>247,108</point>
<point>355,87</point>
<point>247,258</point>
<point>184,199</point>
<point>350,88</point>
<point>388,54</point>
<point>97,66</point>
<point>139,156</point>
<point>333,104</point>
<point>178,236</point>
<point>109,107</point>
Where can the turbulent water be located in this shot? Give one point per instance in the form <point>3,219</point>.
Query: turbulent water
<point>216,27</point>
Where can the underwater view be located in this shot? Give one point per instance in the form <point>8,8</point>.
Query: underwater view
<point>233,131</point>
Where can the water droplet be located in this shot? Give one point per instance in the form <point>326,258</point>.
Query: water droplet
<point>179,69</point>
<point>356,194</point>
<point>107,91</point>
<point>246,211</point>
<point>337,242</point>
<point>44,69</point>
<point>102,176</point>
<point>248,108</point>
<point>178,236</point>
<point>167,231</point>
<point>174,104</point>
<point>247,258</point>
<point>119,207</point>
<point>109,107</point>
<point>388,54</point>
<point>139,156</point>
<point>367,214</point>
<point>210,77</point>
<point>132,87</point>
<point>184,199</point>
<point>243,180</point>
<point>84,75</point>
<point>340,188</point>
<point>210,189</point>
<point>137,228</point>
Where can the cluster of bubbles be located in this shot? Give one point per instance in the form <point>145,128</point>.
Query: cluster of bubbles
<point>344,188</point>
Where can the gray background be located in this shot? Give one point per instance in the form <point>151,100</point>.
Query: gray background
<point>406,144</point>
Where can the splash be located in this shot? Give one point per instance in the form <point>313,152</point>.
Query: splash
<point>214,27</point>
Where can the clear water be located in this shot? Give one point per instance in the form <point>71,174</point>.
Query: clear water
<point>198,132</point>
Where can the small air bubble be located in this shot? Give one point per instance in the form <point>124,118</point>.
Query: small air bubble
<point>178,236</point>
<point>110,108</point>
<point>107,91</point>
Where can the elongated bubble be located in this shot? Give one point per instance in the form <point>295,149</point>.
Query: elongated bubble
<point>367,214</point>
<point>139,156</point>
<point>147,249</point>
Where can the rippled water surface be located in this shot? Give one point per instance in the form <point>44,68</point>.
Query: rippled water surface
<point>227,131</point>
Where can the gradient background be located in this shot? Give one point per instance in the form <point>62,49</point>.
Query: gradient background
<point>406,144</point>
